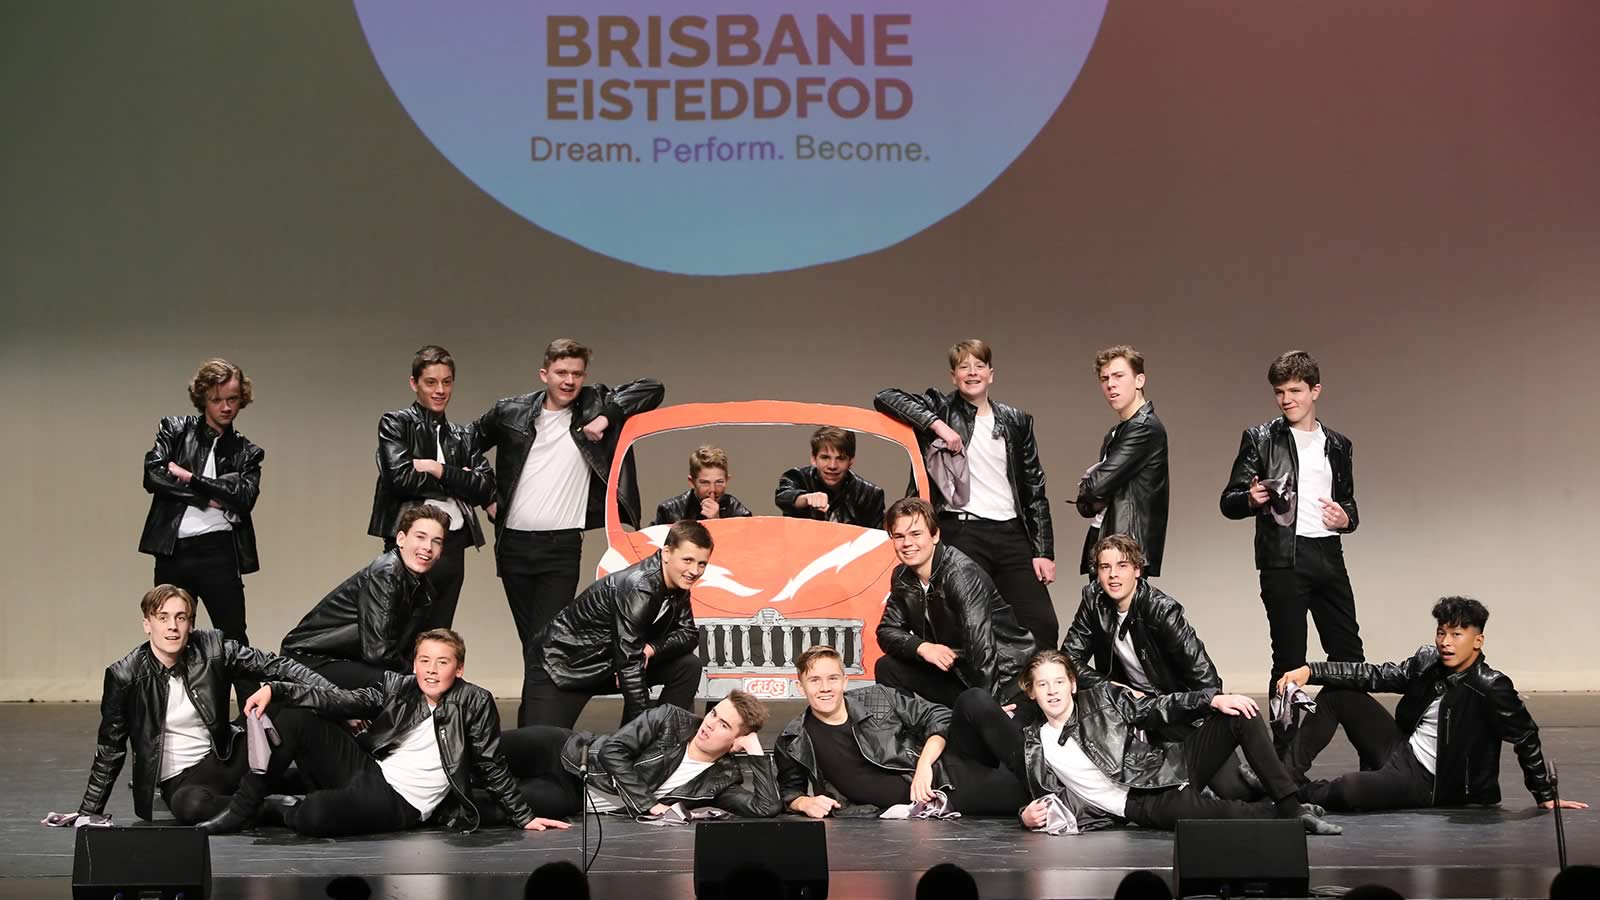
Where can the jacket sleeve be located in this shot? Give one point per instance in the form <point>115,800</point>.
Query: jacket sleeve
<point>475,485</point>
<point>394,457</point>
<point>264,666</point>
<point>1079,643</point>
<point>377,624</point>
<point>874,508</point>
<point>737,509</point>
<point>630,399</point>
<point>1133,446</point>
<point>756,794</point>
<point>1035,504</point>
<point>1235,502</point>
<point>790,487</point>
<point>683,637</point>
<point>921,716</point>
<point>980,664</point>
<point>1374,678</point>
<point>1516,727</point>
<point>1154,710</point>
<point>627,652</point>
<point>362,703</point>
<point>663,514</point>
<point>237,491</point>
<point>483,735</point>
<point>894,630</point>
<point>617,753</point>
<point>794,781</point>
<point>919,411</point>
<point>1347,498</point>
<point>157,480</point>
<point>111,747</point>
<point>1185,652</point>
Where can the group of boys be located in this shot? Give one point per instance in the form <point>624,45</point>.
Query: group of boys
<point>973,710</point>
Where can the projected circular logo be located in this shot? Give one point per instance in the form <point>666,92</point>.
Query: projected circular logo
<point>725,138</point>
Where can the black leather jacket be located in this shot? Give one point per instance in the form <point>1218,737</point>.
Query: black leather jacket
<point>598,639</point>
<point>133,706</point>
<point>373,616</point>
<point>856,501</point>
<point>687,506</point>
<point>1478,709</point>
<point>633,763</point>
<point>920,411</point>
<point>1268,451</point>
<point>408,434</point>
<point>1111,725</point>
<point>962,610</point>
<point>890,728</point>
<point>466,724</point>
<point>187,440</point>
<point>1131,480</point>
<point>510,425</point>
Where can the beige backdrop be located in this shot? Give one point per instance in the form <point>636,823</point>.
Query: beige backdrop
<point>1409,192</point>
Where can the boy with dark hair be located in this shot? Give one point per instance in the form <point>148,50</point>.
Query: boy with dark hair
<point>1004,525</point>
<point>425,458</point>
<point>553,453</point>
<point>665,757</point>
<point>169,697</point>
<point>707,496</point>
<point>1126,491</point>
<point>629,630</point>
<point>944,628</point>
<point>1294,477</point>
<point>829,490</point>
<point>1442,745</point>
<point>365,626</point>
<point>204,477</point>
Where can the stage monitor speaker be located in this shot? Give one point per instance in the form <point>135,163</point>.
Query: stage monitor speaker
<point>795,850</point>
<point>1241,858</point>
<point>141,862</point>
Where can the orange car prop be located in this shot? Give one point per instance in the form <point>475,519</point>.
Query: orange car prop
<point>775,585</point>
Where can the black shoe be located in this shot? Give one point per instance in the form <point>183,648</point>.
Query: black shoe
<point>1315,824</point>
<point>1251,779</point>
<point>229,821</point>
<point>275,809</point>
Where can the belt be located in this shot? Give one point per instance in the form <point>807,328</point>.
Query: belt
<point>968,517</point>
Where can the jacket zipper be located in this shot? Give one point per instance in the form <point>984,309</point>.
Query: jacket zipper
<point>450,778</point>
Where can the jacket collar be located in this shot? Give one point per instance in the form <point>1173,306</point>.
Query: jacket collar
<point>150,665</point>
<point>650,568</point>
<point>1141,594</point>
<point>429,417</point>
<point>207,434</point>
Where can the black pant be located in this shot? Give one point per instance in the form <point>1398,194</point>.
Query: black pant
<point>983,757</point>
<point>920,678</point>
<point>545,703</point>
<point>533,754</point>
<point>350,674</point>
<point>208,568</point>
<point>350,794</point>
<point>1206,752</point>
<point>1003,550</point>
<point>1319,583</point>
<point>1393,778</point>
<point>207,787</point>
<point>446,577</point>
<point>539,571</point>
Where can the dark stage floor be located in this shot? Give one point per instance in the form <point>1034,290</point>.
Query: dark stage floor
<point>1505,852</point>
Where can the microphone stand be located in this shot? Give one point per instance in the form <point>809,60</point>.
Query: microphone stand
<point>1561,833</point>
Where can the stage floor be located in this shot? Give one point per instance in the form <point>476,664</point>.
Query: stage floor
<point>1506,852</point>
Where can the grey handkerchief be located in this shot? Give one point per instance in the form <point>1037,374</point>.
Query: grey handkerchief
<point>259,739</point>
<point>1282,503</point>
<point>1058,818</point>
<point>1290,706</point>
<point>76,820</point>
<point>936,807</point>
<point>948,472</point>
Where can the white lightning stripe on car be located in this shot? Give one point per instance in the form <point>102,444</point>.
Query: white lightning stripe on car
<point>719,577</point>
<point>835,559</point>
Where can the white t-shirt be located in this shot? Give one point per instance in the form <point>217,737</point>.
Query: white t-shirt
<point>552,492</point>
<point>989,494</point>
<point>416,770</point>
<point>1316,482</point>
<point>1425,740</point>
<point>687,771</point>
<point>185,740</point>
<point>1122,645</point>
<point>451,507</point>
<point>1080,775</point>
<point>198,521</point>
